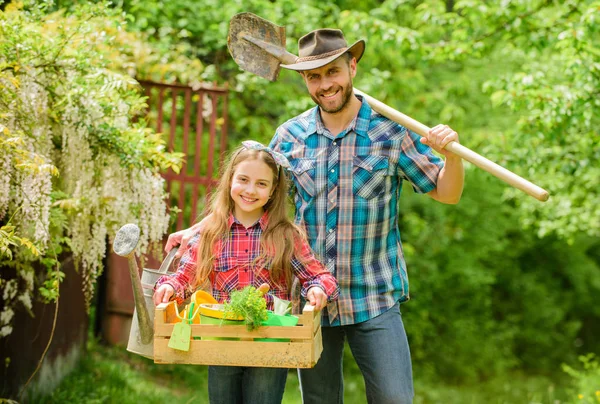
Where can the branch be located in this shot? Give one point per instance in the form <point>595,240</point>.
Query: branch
<point>507,24</point>
<point>504,26</point>
<point>63,45</point>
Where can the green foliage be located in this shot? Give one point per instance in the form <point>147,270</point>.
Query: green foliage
<point>8,239</point>
<point>206,33</point>
<point>586,381</point>
<point>119,376</point>
<point>71,126</point>
<point>488,296</point>
<point>248,303</point>
<point>501,281</point>
<point>541,62</point>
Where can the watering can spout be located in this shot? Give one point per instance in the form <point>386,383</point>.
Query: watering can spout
<point>141,335</point>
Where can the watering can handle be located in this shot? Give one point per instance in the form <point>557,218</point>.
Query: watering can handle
<point>164,267</point>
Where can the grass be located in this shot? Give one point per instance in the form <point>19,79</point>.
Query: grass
<point>113,375</point>
<point>510,389</point>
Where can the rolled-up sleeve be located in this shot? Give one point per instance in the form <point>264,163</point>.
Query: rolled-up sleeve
<point>418,165</point>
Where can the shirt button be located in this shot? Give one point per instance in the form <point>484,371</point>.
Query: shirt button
<point>246,250</point>
<point>332,200</point>
<point>246,233</point>
<point>334,143</point>
<point>331,230</point>
<point>332,171</point>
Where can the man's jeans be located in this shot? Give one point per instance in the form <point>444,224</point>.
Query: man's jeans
<point>245,385</point>
<point>381,351</point>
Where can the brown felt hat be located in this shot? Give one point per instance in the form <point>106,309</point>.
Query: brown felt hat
<point>323,46</point>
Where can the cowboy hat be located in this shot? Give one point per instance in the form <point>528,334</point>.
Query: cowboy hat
<point>323,46</point>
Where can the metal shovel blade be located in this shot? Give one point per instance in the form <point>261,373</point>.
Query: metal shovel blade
<point>243,29</point>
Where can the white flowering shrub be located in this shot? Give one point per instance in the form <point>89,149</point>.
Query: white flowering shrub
<point>76,158</point>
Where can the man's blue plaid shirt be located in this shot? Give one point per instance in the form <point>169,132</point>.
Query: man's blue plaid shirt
<point>347,190</point>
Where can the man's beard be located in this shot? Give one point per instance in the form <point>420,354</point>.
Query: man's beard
<point>346,94</point>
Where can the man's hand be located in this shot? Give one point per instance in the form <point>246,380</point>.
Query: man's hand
<point>163,294</point>
<point>438,137</point>
<point>316,297</point>
<point>183,237</point>
<point>451,178</point>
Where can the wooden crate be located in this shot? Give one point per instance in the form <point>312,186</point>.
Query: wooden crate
<point>302,351</point>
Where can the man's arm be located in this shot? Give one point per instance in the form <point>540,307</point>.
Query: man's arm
<point>450,181</point>
<point>451,178</point>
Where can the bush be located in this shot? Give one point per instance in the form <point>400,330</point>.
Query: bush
<point>488,296</point>
<point>77,158</point>
<point>586,381</point>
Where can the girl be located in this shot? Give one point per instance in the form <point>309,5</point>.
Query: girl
<point>249,240</point>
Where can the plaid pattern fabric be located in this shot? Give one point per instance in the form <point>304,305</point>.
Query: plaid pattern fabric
<point>347,191</point>
<point>235,267</point>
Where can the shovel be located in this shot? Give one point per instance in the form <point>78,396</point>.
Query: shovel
<point>258,46</point>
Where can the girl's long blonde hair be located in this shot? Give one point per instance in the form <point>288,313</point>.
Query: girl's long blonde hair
<point>277,240</point>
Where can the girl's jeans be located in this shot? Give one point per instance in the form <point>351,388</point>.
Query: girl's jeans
<point>381,351</point>
<point>245,385</point>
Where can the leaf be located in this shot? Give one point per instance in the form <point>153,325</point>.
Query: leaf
<point>27,243</point>
<point>498,97</point>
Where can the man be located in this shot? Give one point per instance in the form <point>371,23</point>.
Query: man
<point>348,163</point>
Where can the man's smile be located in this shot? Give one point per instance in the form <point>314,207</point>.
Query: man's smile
<point>330,94</point>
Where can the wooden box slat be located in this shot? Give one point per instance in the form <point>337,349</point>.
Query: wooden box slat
<point>239,331</point>
<point>301,351</point>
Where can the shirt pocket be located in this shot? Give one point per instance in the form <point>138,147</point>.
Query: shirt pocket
<point>304,174</point>
<point>370,174</point>
<point>262,276</point>
<point>226,274</point>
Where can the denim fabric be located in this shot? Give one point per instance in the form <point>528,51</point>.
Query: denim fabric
<point>245,385</point>
<point>380,348</point>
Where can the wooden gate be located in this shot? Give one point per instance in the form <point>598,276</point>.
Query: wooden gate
<point>195,120</point>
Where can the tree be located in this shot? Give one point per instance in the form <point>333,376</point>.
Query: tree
<point>542,59</point>
<point>77,158</point>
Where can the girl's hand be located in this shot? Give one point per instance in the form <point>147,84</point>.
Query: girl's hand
<point>316,297</point>
<point>163,294</point>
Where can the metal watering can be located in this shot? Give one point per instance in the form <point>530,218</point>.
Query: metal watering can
<point>141,335</point>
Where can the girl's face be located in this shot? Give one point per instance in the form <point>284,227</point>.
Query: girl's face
<point>251,187</point>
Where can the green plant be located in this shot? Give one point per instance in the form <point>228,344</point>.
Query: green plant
<point>77,159</point>
<point>586,382</point>
<point>248,303</point>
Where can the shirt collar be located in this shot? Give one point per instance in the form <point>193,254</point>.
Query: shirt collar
<point>262,221</point>
<point>315,125</point>
<point>363,119</point>
<point>360,124</point>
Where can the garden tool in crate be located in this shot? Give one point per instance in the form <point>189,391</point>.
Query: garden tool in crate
<point>141,335</point>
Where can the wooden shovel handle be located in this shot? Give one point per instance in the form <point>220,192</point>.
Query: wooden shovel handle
<point>465,153</point>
